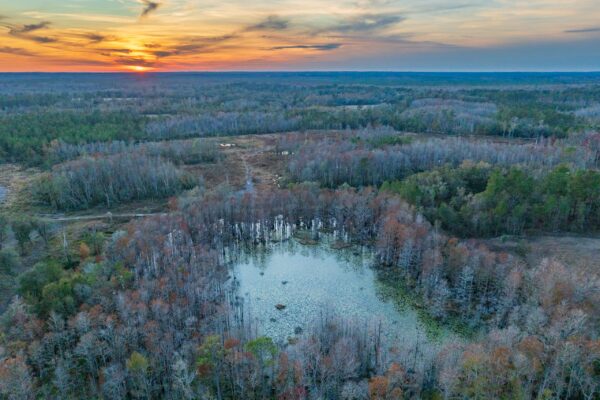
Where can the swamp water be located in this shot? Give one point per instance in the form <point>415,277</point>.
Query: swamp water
<point>286,287</point>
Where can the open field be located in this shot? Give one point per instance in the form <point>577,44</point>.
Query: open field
<point>15,179</point>
<point>580,252</point>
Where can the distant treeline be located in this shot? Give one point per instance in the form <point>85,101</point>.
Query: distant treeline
<point>34,111</point>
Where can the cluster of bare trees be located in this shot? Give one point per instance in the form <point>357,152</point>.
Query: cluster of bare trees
<point>334,161</point>
<point>451,116</point>
<point>221,123</point>
<point>142,311</point>
<point>153,316</point>
<point>87,109</point>
<point>109,180</point>
<point>590,141</point>
<point>591,113</point>
<point>458,280</point>
<point>177,151</point>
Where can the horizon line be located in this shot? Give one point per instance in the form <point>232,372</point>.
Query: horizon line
<point>592,71</point>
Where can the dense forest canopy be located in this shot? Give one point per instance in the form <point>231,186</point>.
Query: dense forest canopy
<point>36,109</point>
<point>130,196</point>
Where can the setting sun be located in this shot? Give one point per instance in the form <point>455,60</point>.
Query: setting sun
<point>138,68</point>
<point>180,35</point>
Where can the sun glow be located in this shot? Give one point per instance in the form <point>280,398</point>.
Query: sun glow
<point>138,68</point>
<point>141,36</point>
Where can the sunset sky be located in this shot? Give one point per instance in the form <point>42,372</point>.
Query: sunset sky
<point>185,35</point>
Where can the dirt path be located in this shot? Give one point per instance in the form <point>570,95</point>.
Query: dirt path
<point>254,158</point>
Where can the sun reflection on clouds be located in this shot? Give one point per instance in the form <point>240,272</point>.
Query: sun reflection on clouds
<point>162,35</point>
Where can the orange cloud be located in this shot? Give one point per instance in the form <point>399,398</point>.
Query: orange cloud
<point>179,35</point>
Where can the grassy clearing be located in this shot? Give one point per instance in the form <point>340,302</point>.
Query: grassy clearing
<point>582,252</point>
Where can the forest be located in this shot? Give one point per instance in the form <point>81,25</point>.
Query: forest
<point>37,110</point>
<point>128,200</point>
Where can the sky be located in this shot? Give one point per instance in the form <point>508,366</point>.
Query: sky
<point>289,35</point>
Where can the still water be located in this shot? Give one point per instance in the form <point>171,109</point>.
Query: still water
<point>286,286</point>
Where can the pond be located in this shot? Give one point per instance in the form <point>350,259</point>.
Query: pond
<point>287,286</point>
